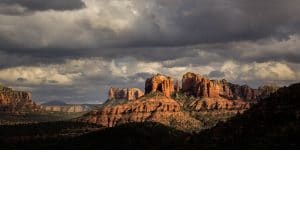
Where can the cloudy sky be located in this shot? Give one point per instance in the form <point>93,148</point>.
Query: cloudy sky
<point>74,50</point>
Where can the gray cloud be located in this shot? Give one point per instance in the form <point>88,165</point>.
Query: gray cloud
<point>159,23</point>
<point>217,74</point>
<point>58,50</point>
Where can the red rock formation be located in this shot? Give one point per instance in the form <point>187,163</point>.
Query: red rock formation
<point>155,109</point>
<point>160,83</point>
<point>128,93</point>
<point>199,86</point>
<point>15,101</point>
<point>215,99</point>
<point>212,104</point>
<point>242,92</point>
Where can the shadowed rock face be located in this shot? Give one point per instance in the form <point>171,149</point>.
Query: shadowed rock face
<point>177,86</point>
<point>125,93</point>
<point>266,90</point>
<point>15,101</point>
<point>160,83</point>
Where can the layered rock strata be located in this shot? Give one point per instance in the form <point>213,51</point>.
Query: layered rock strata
<point>201,87</point>
<point>66,109</point>
<point>219,104</point>
<point>198,98</point>
<point>125,93</point>
<point>15,101</point>
<point>159,109</point>
<point>160,83</point>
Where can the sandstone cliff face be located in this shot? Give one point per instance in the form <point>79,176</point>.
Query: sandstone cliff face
<point>160,83</point>
<point>198,86</point>
<point>243,92</point>
<point>201,87</point>
<point>159,109</point>
<point>212,104</point>
<point>15,101</point>
<point>66,109</point>
<point>125,93</point>
<point>199,101</point>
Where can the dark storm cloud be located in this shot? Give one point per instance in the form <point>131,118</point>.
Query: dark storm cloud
<point>210,21</point>
<point>40,5</point>
<point>164,30</point>
<point>137,38</point>
<point>166,23</point>
<point>27,58</point>
<point>21,80</point>
<point>216,74</point>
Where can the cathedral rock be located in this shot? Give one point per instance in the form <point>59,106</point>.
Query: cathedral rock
<point>160,83</point>
<point>198,104</point>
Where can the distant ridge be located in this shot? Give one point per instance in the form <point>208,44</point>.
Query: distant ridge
<point>55,103</point>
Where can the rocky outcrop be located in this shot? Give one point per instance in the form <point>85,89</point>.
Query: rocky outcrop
<point>159,109</point>
<point>125,93</point>
<point>198,86</point>
<point>243,92</point>
<point>15,101</point>
<point>66,109</point>
<point>200,100</point>
<point>160,83</point>
<point>220,94</point>
<point>212,104</point>
<point>201,87</point>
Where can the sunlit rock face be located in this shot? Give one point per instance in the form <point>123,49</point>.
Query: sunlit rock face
<point>66,108</point>
<point>124,93</point>
<point>186,108</point>
<point>201,87</point>
<point>158,108</point>
<point>160,83</point>
<point>220,94</point>
<point>15,101</point>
